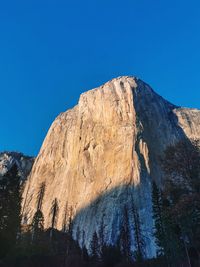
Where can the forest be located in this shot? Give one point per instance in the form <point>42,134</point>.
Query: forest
<point>176,214</point>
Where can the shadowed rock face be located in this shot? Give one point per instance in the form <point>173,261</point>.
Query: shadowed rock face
<point>105,151</point>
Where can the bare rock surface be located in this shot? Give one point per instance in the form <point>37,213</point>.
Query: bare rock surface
<point>103,153</point>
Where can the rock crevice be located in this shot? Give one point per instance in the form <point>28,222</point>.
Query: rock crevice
<point>103,152</point>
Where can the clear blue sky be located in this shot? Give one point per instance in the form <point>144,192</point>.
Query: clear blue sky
<point>51,51</point>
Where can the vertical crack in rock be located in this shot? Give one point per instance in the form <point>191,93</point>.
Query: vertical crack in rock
<point>105,151</point>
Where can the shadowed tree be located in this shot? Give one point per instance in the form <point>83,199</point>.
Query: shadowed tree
<point>10,207</point>
<point>125,238</point>
<point>78,234</point>
<point>181,166</point>
<point>102,237</point>
<point>84,252</point>
<point>138,237</point>
<point>94,247</point>
<point>37,226</point>
<point>69,231</point>
<point>159,227</point>
<point>165,238</point>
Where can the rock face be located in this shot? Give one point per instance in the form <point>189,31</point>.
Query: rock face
<point>103,154</point>
<point>24,163</point>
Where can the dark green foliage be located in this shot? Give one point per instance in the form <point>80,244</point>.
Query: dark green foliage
<point>102,234</point>
<point>138,237</point>
<point>84,254</point>
<point>181,164</point>
<point>125,238</point>
<point>95,247</point>
<point>110,256</point>
<point>37,226</point>
<point>10,206</point>
<point>181,199</point>
<point>176,212</point>
<point>159,231</point>
<point>173,246</point>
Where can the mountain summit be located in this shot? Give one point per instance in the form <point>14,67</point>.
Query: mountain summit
<point>105,153</point>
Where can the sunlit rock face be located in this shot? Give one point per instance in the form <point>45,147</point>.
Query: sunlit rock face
<point>103,154</point>
<point>24,163</point>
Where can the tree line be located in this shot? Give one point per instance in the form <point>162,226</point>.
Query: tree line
<point>35,246</point>
<point>176,214</point>
<point>176,205</point>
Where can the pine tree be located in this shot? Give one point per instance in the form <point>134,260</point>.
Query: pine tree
<point>84,252</point>
<point>139,241</point>
<point>166,229</point>
<point>78,234</point>
<point>83,239</point>
<point>10,207</point>
<point>163,225</point>
<point>94,247</point>
<point>102,237</point>
<point>159,230</point>
<point>181,166</point>
<point>111,255</point>
<point>125,238</point>
<point>173,245</point>
<point>37,226</point>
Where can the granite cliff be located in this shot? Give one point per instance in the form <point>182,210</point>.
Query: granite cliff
<point>105,152</point>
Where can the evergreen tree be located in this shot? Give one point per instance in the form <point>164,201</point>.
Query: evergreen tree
<point>84,252</point>
<point>10,207</point>
<point>166,229</point>
<point>83,239</point>
<point>37,226</point>
<point>78,234</point>
<point>159,231</point>
<point>111,255</point>
<point>125,238</point>
<point>102,237</point>
<point>139,242</point>
<point>181,166</point>
<point>94,247</point>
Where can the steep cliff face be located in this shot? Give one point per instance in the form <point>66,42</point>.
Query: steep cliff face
<point>104,153</point>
